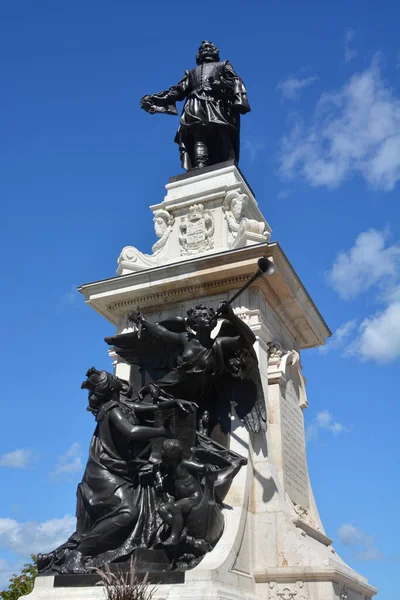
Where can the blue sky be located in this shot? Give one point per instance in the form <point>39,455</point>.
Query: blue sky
<point>321,149</point>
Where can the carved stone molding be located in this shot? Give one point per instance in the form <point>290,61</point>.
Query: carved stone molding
<point>131,259</point>
<point>287,591</point>
<point>163,223</point>
<point>175,295</point>
<point>304,520</point>
<point>279,360</point>
<point>340,576</point>
<point>304,514</point>
<point>242,229</point>
<point>197,229</point>
<point>275,353</point>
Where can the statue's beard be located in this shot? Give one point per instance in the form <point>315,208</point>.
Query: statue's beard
<point>208,57</point>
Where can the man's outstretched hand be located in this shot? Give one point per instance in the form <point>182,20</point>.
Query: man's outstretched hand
<point>147,104</point>
<point>225,310</point>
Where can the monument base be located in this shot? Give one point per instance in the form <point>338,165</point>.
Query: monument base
<point>267,550</point>
<point>200,590</point>
<point>274,546</point>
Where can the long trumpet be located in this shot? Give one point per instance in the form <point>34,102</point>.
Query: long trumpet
<point>265,267</point>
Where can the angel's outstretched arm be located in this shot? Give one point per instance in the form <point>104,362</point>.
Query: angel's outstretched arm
<point>161,332</point>
<point>246,337</point>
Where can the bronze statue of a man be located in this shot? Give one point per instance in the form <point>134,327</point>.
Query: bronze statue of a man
<point>210,122</point>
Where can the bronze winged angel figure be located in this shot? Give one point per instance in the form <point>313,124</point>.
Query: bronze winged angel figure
<point>185,362</point>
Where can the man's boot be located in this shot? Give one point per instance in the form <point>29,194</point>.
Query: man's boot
<point>201,158</point>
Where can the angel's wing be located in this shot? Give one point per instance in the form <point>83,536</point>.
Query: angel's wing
<point>147,351</point>
<point>243,384</point>
<point>248,394</point>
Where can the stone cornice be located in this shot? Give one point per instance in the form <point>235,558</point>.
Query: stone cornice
<point>276,303</point>
<point>217,273</point>
<point>175,295</point>
<point>333,573</point>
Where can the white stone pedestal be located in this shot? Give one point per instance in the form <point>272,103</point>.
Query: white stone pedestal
<point>206,213</point>
<point>274,546</point>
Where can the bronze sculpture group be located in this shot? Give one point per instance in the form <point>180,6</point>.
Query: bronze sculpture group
<point>159,464</point>
<point>156,477</point>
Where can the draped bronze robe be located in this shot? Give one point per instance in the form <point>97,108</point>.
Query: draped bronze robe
<point>215,98</point>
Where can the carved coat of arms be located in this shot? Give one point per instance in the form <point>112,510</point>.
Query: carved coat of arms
<point>197,229</point>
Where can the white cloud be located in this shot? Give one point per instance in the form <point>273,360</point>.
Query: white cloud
<point>290,86</point>
<point>368,262</point>
<point>32,537</point>
<point>349,52</point>
<point>379,336</point>
<point>69,463</point>
<point>283,195</point>
<point>364,544</point>
<point>350,535</point>
<point>339,337</point>
<point>324,421</point>
<point>354,130</point>
<point>17,459</point>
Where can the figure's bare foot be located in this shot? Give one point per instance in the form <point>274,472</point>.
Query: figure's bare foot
<point>173,540</point>
<point>44,561</point>
<point>73,563</point>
